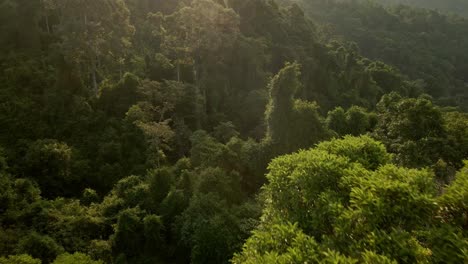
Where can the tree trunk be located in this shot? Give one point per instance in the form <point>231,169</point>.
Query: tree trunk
<point>47,23</point>
<point>195,75</point>
<point>198,110</point>
<point>178,71</point>
<point>93,73</point>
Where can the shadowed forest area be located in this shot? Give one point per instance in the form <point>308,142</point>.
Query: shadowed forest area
<point>233,131</point>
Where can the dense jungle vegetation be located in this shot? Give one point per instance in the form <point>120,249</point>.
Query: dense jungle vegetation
<point>458,7</point>
<point>233,131</point>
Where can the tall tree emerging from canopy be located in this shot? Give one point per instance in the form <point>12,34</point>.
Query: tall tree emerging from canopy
<point>279,110</point>
<point>92,32</point>
<point>199,32</point>
<point>201,37</point>
<point>291,123</point>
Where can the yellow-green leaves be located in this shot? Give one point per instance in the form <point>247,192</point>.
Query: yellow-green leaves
<point>353,206</point>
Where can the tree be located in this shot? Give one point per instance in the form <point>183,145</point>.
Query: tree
<point>201,35</point>
<point>357,120</point>
<point>49,162</point>
<point>129,236</point>
<point>91,32</point>
<point>154,234</point>
<point>454,207</point>
<point>404,37</point>
<point>364,150</point>
<point>160,182</point>
<point>286,243</point>
<point>198,29</point>
<point>291,124</point>
<point>39,246</point>
<point>336,121</point>
<point>282,89</point>
<point>166,163</point>
<point>456,127</point>
<point>19,259</point>
<point>78,258</point>
<point>451,6</point>
<point>117,99</point>
<point>21,25</point>
<point>359,209</point>
<point>206,151</point>
<point>163,107</point>
<point>210,229</point>
<point>413,128</point>
<point>225,131</point>
<point>89,196</point>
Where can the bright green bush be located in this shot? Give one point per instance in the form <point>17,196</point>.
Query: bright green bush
<point>352,206</point>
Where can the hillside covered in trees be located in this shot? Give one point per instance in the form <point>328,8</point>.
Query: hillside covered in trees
<point>458,7</point>
<point>232,131</point>
<point>423,44</point>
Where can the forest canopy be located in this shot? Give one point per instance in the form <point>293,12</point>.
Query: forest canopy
<point>233,131</point>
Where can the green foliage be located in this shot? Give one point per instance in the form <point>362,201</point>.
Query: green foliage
<point>205,150</point>
<point>336,121</point>
<point>19,259</point>
<point>89,196</point>
<point>371,212</point>
<point>129,192</point>
<point>100,249</point>
<point>116,99</point>
<point>419,42</point>
<point>389,204</point>
<point>364,150</point>
<point>357,118</point>
<point>128,238</point>
<point>17,194</point>
<point>281,90</point>
<point>415,129</point>
<point>140,131</point>
<point>3,162</point>
<point>291,124</point>
<point>355,121</point>
<point>153,230</point>
<point>49,163</point>
<point>286,243</point>
<point>419,118</point>
<point>307,125</point>
<point>453,201</point>
<point>42,247</point>
<point>308,179</point>
<point>82,38</point>
<point>160,182</point>
<point>448,243</point>
<point>449,6</point>
<point>225,131</point>
<point>211,228</point>
<point>456,127</point>
<point>78,258</point>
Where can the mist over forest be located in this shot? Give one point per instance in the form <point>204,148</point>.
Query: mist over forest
<point>233,131</point>
<point>458,7</point>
